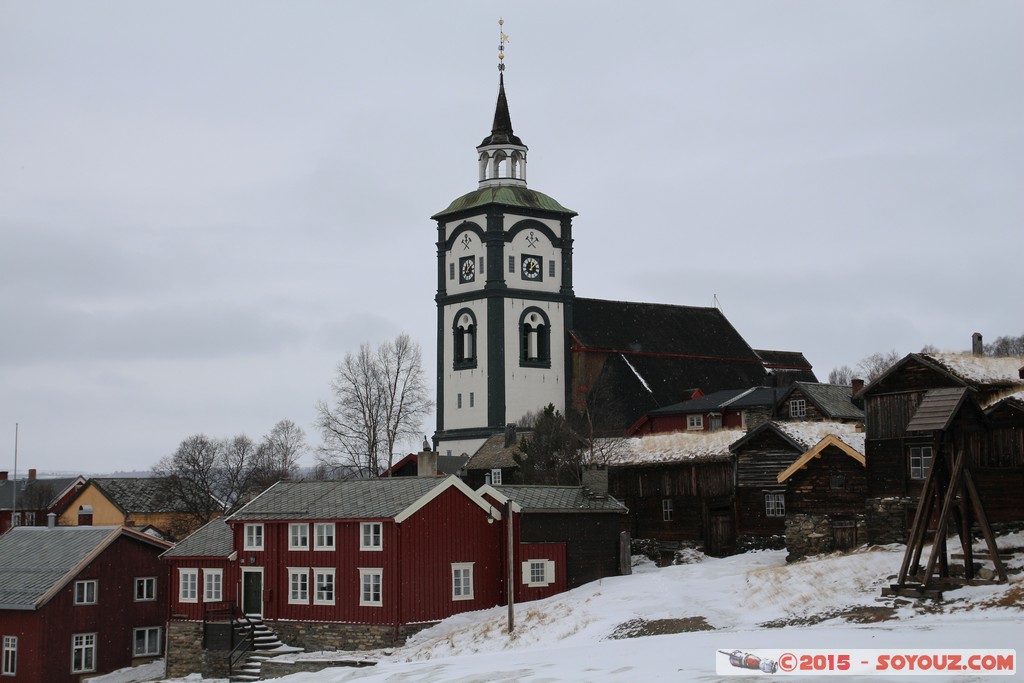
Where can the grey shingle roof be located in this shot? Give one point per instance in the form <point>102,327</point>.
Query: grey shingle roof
<point>139,494</point>
<point>494,454</point>
<point>353,499</point>
<point>833,400</point>
<point>559,499</point>
<point>35,559</point>
<point>936,409</point>
<point>42,491</point>
<point>211,540</point>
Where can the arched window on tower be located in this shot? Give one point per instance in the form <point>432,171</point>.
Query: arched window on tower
<point>535,339</point>
<point>484,160</point>
<point>464,340</point>
<point>501,163</point>
<point>518,171</point>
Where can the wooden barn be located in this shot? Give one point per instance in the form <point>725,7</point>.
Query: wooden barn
<point>813,402</point>
<point>761,456</point>
<point>79,601</point>
<point>899,458</point>
<point>678,488</point>
<point>825,491</point>
<point>585,525</point>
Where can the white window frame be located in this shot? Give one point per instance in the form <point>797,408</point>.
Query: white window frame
<point>188,584</point>
<point>462,580</point>
<point>148,585</point>
<point>87,592</point>
<point>10,656</point>
<point>367,536</point>
<point>253,537</point>
<point>924,463</point>
<point>798,407</point>
<point>496,476</point>
<point>298,536</point>
<point>318,595</point>
<point>324,536</point>
<point>530,569</point>
<point>695,422</point>
<point>298,585</point>
<point>367,575</point>
<point>775,504</point>
<point>86,644</point>
<point>15,519</point>
<point>667,509</point>
<point>30,518</point>
<point>213,578</point>
<point>152,646</point>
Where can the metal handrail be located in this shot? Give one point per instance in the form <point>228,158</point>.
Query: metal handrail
<point>244,645</point>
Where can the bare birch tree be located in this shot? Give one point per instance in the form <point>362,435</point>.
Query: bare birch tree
<point>380,400</point>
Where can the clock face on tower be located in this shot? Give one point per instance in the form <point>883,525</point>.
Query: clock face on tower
<point>531,269</point>
<point>467,269</point>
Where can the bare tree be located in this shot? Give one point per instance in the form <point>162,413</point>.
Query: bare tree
<point>841,375</point>
<point>194,478</point>
<point>1006,346</point>
<point>380,400</point>
<point>872,367</point>
<point>277,456</point>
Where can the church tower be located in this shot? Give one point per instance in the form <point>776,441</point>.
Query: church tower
<point>504,296</point>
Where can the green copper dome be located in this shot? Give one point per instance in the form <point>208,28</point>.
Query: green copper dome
<point>512,196</point>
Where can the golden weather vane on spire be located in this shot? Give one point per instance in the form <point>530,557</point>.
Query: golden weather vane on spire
<point>503,38</point>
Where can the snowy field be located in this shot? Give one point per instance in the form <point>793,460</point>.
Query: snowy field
<point>750,601</point>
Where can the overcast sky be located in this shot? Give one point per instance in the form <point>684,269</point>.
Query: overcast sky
<point>205,205</point>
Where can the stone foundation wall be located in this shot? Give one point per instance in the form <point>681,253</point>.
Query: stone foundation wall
<point>185,653</point>
<point>319,637</point>
<point>272,669</point>
<point>886,519</point>
<point>746,543</point>
<point>807,535</point>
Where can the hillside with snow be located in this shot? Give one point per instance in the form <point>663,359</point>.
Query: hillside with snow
<point>668,623</point>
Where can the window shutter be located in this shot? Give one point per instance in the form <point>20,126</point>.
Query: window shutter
<point>549,572</point>
<point>526,573</point>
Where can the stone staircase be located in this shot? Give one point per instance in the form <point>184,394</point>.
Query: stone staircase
<point>266,645</point>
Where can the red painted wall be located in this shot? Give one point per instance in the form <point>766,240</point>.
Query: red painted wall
<point>44,635</point>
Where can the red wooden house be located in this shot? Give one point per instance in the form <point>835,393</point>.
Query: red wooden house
<point>79,600</point>
<point>343,564</point>
<point>35,498</point>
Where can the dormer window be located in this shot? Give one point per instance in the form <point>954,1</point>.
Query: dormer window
<point>798,408</point>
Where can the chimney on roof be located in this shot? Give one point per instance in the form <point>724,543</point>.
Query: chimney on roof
<point>51,520</point>
<point>510,434</point>
<point>3,475</point>
<point>856,384</point>
<point>426,463</point>
<point>595,480</point>
<point>31,474</point>
<point>977,348</point>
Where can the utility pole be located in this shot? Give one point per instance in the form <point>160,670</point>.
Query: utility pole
<point>14,502</point>
<point>509,580</point>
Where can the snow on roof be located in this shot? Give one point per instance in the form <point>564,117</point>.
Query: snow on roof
<point>808,434</point>
<point>677,447</point>
<point>981,369</point>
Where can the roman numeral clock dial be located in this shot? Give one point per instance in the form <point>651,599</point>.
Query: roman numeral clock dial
<point>467,269</point>
<point>531,269</point>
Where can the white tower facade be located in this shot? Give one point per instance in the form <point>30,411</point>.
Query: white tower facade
<point>504,297</point>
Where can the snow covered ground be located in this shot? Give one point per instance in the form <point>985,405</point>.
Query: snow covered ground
<point>749,601</point>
